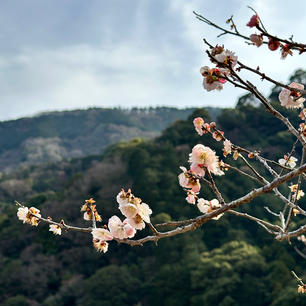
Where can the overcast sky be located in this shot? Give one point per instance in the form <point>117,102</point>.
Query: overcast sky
<point>57,55</point>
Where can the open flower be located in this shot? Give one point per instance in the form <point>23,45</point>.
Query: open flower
<point>55,229</point>
<point>288,161</point>
<point>191,197</point>
<point>290,98</point>
<point>101,234</point>
<point>257,40</point>
<point>198,124</point>
<point>204,157</point>
<point>227,57</point>
<point>100,245</point>
<point>136,222</point>
<point>286,49</point>
<point>206,207</point>
<point>213,78</point>
<point>29,215</point>
<point>227,147</point>
<point>187,180</point>
<point>119,229</point>
<point>144,211</point>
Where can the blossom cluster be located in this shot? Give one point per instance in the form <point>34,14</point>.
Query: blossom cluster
<point>214,78</point>
<point>273,42</point>
<point>136,213</point>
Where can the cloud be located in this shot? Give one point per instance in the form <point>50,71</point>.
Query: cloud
<point>75,54</point>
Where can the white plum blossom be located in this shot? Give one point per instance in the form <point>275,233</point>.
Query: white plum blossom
<point>144,211</point>
<point>136,222</point>
<point>288,161</point>
<point>55,229</point>
<point>120,229</point>
<point>291,99</point>
<point>227,57</point>
<point>101,234</point>
<point>100,245</point>
<point>28,215</point>
<point>206,207</point>
<point>128,210</point>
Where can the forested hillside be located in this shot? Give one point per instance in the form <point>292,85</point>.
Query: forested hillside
<point>53,137</point>
<point>229,262</point>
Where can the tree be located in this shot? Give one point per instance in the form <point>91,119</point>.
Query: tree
<point>268,175</point>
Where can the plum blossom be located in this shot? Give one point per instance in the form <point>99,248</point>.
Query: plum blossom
<point>100,245</point>
<point>124,197</point>
<point>119,229</point>
<point>227,147</point>
<point>288,161</point>
<point>101,234</point>
<point>206,207</point>
<point>128,210</point>
<point>191,197</point>
<point>198,123</point>
<point>187,180</point>
<point>28,215</point>
<point>227,57</point>
<point>212,78</point>
<point>204,157</point>
<point>144,211</point>
<point>257,40</point>
<point>136,222</point>
<point>254,21</point>
<point>286,49</point>
<point>273,43</point>
<point>55,229</point>
<point>218,135</point>
<point>290,98</point>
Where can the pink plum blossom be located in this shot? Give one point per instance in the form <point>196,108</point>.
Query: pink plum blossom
<point>198,123</point>
<point>254,21</point>
<point>187,180</point>
<point>191,197</point>
<point>227,147</point>
<point>291,99</point>
<point>202,156</point>
<point>257,40</point>
<point>213,78</point>
<point>273,43</point>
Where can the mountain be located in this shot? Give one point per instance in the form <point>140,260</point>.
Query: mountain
<point>55,136</point>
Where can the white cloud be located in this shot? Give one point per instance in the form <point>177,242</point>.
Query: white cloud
<point>146,53</point>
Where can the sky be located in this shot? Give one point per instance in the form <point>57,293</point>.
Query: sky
<point>75,54</point>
